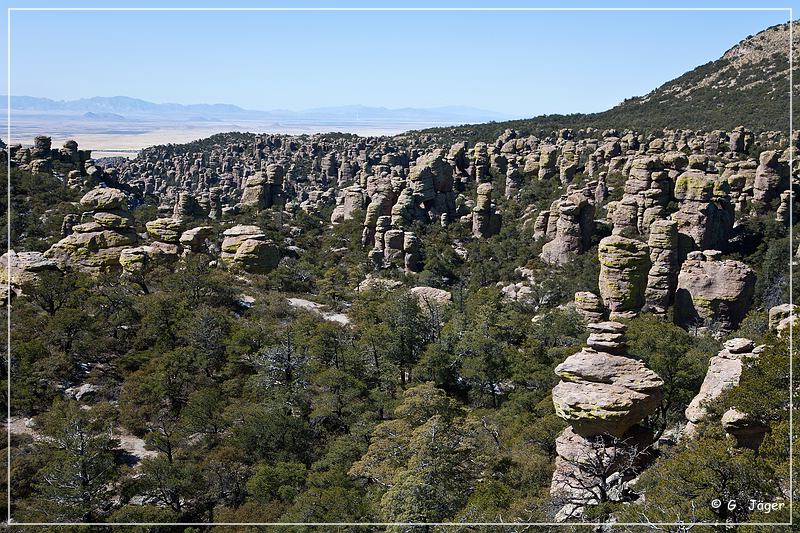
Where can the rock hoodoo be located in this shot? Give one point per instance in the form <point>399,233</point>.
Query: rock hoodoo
<point>713,291</point>
<point>603,394</point>
<point>624,270</point>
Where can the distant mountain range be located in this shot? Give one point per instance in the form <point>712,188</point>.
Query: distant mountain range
<point>118,108</point>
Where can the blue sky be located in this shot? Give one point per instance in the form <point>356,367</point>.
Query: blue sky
<point>517,63</point>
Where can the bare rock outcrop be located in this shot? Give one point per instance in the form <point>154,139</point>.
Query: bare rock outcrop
<point>247,247</point>
<point>94,245</point>
<point>603,391</point>
<point>19,268</point>
<point>705,215</point>
<point>573,228</point>
<point>648,190</point>
<point>624,269</point>
<point>724,372</point>
<point>771,178</point>
<point>663,275</point>
<point>486,221</point>
<point>782,317</point>
<point>589,306</point>
<point>603,394</point>
<point>713,291</point>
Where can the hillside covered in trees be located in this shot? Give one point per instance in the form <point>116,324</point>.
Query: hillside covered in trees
<point>748,85</point>
<point>577,325</point>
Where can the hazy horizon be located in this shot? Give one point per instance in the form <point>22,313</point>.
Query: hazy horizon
<point>520,64</point>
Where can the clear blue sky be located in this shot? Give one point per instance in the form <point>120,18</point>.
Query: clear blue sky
<point>521,64</point>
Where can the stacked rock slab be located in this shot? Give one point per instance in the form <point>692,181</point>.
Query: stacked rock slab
<point>351,200</point>
<point>663,275</point>
<point>573,228</point>
<point>247,247</point>
<point>648,190</point>
<point>624,269</point>
<point>713,291</point>
<point>395,246</point>
<point>724,372</point>
<point>164,247</point>
<point>187,207</point>
<point>94,246</point>
<point>486,221</point>
<point>195,239</point>
<point>603,394</point>
<point>589,306</point>
<point>771,178</point>
<point>705,215</point>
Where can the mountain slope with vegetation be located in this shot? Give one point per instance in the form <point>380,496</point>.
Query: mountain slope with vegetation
<point>748,85</point>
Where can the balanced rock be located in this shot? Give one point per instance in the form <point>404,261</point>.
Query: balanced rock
<point>589,306</point>
<point>164,229</point>
<point>603,395</point>
<point>603,392</point>
<point>95,245</point>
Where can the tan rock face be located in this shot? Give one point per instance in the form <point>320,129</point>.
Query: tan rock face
<point>624,268</point>
<point>164,229</point>
<point>104,199</point>
<point>748,432</point>
<point>485,220</point>
<point>662,277</point>
<point>723,373</point>
<point>713,291</point>
<point>580,460</point>
<point>246,247</point>
<point>779,313</point>
<point>589,306</point>
<point>573,228</point>
<point>194,239</point>
<point>427,296</point>
<point>705,215</point>
<point>605,391</point>
<point>95,246</point>
<point>19,268</point>
<point>603,395</point>
<point>648,190</point>
<point>771,178</point>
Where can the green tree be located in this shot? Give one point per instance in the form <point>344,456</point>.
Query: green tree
<point>78,444</point>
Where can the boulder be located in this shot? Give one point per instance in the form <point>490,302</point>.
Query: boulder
<point>427,296</point>
<point>247,248</point>
<point>589,306</point>
<point>164,230</point>
<point>573,228</point>
<point>194,239</point>
<point>713,291</point>
<point>104,199</point>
